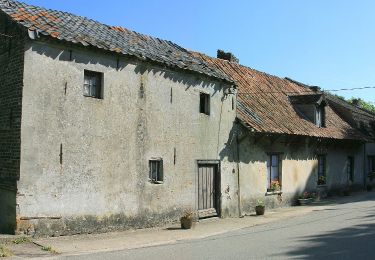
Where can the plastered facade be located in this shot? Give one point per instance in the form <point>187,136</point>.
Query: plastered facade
<point>98,181</point>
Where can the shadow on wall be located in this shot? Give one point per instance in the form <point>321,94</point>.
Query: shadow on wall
<point>8,208</point>
<point>119,63</point>
<point>298,158</point>
<point>355,242</point>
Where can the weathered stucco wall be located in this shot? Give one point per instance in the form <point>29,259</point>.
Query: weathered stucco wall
<point>11,74</point>
<point>299,169</point>
<point>102,183</point>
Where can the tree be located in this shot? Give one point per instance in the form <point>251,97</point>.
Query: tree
<point>363,104</point>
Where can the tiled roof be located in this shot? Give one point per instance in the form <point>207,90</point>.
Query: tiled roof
<point>80,30</point>
<point>264,104</point>
<point>357,117</point>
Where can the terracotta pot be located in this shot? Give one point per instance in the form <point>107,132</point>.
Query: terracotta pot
<point>260,210</point>
<point>186,222</point>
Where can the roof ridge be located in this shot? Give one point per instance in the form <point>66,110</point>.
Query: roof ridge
<point>78,29</point>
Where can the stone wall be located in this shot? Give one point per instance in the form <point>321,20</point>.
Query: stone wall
<point>11,83</point>
<point>85,161</point>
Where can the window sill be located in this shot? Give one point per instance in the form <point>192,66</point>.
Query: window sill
<point>156,182</point>
<point>270,193</point>
<point>93,97</point>
<point>321,185</point>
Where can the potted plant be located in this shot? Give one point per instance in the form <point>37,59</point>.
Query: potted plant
<point>321,180</point>
<point>275,186</point>
<point>260,208</point>
<point>306,198</point>
<point>187,219</point>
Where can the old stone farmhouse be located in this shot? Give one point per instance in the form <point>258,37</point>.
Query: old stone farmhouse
<point>102,128</point>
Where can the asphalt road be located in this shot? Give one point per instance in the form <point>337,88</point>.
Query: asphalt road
<point>343,231</point>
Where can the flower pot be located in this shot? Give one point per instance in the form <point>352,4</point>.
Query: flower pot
<point>259,210</point>
<point>304,202</point>
<point>186,222</point>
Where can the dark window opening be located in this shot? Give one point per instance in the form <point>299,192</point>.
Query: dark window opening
<point>321,170</point>
<point>350,168</point>
<point>273,173</point>
<point>92,86</point>
<point>371,164</point>
<point>156,170</point>
<point>204,104</point>
<point>320,116</point>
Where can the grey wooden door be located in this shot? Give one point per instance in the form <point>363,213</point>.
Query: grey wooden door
<point>207,190</point>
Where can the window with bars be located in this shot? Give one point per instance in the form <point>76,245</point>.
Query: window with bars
<point>273,172</point>
<point>156,170</point>
<point>322,170</point>
<point>350,168</point>
<point>92,86</point>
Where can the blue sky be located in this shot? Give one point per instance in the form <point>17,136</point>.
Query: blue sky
<point>326,43</point>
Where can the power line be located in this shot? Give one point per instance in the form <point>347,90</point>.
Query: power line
<point>299,92</point>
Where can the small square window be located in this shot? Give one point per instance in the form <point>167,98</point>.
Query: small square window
<point>204,104</point>
<point>156,170</point>
<point>92,86</point>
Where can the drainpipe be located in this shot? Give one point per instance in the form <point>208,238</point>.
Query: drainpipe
<point>364,165</point>
<point>238,176</point>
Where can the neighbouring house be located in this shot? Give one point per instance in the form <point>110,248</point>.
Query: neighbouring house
<point>288,139</point>
<point>364,121</point>
<point>102,128</point>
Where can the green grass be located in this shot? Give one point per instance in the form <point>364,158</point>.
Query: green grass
<point>5,252</point>
<point>21,240</point>
<point>49,249</point>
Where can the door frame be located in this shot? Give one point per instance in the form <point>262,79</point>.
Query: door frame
<point>217,186</point>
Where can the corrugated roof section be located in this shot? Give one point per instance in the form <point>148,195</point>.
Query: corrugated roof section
<point>264,104</point>
<point>87,32</point>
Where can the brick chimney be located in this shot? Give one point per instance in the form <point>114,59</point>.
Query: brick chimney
<point>227,56</point>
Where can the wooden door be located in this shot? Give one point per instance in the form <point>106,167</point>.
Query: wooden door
<point>207,190</point>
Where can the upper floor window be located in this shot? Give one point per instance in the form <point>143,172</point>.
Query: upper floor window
<point>310,107</point>
<point>204,103</point>
<point>92,86</point>
<point>273,173</point>
<point>320,116</point>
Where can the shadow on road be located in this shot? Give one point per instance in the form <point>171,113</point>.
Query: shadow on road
<point>355,242</point>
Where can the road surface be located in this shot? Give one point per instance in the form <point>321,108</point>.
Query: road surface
<point>341,231</point>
